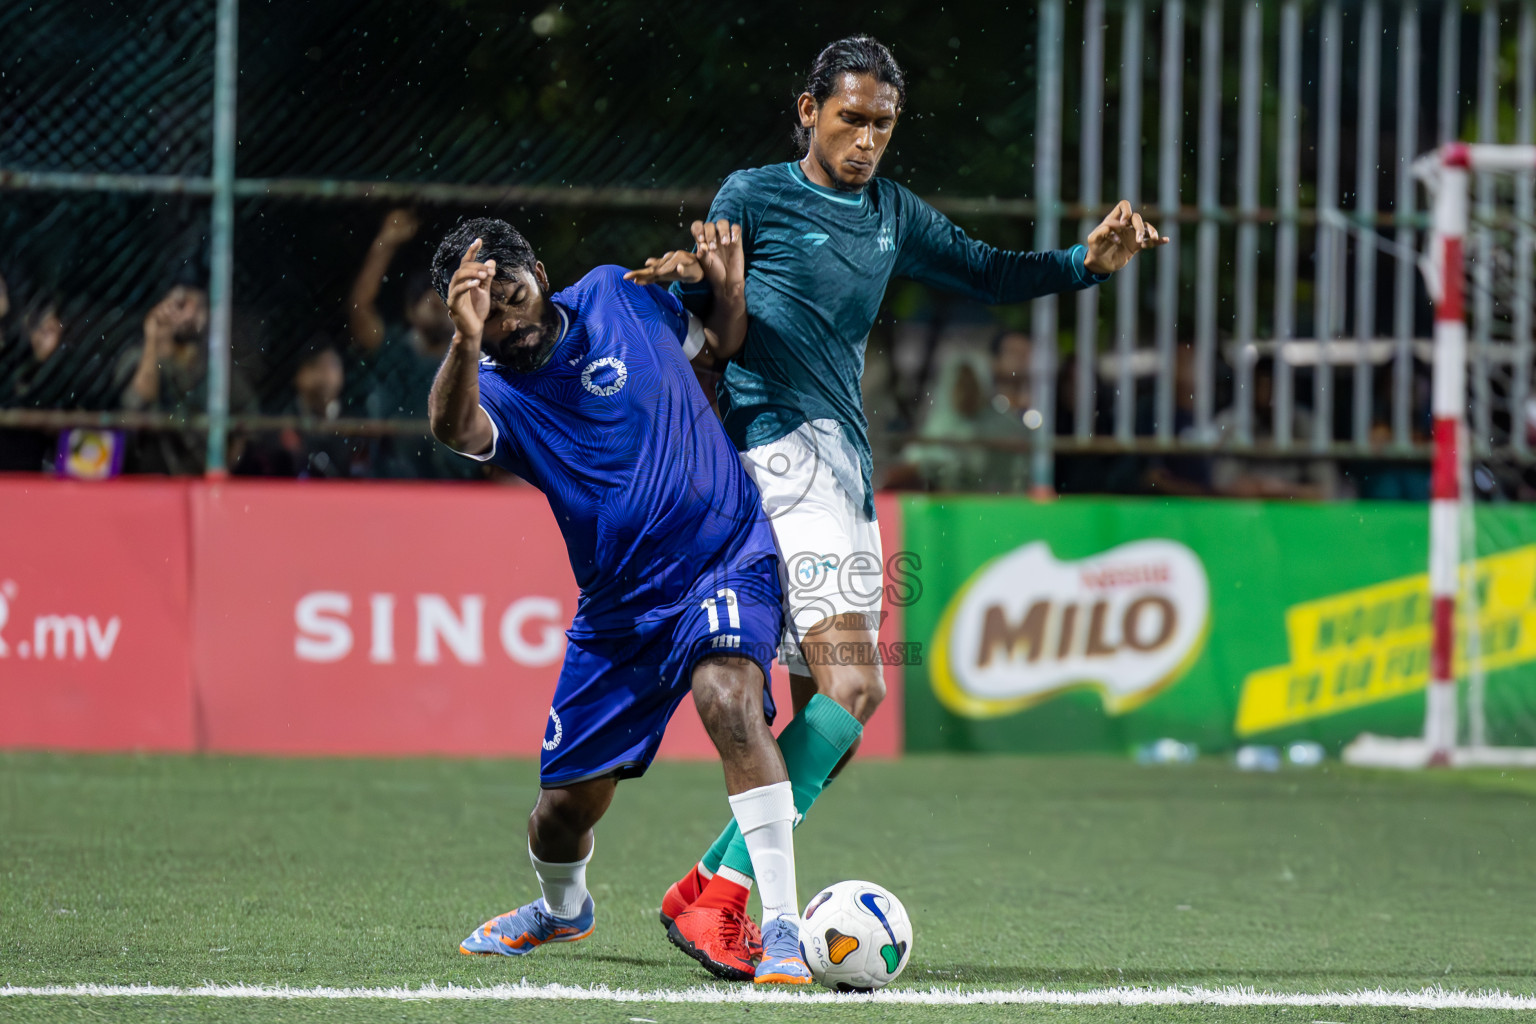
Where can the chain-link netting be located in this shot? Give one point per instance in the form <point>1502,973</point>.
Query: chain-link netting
<point>600,128</point>
<point>124,87</point>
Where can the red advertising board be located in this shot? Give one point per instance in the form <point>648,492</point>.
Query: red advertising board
<point>376,618</point>
<point>94,644</point>
<point>317,618</point>
<point>393,619</point>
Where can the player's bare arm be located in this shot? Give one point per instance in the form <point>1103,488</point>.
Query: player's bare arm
<point>454,405</point>
<point>1118,238</point>
<point>718,259</point>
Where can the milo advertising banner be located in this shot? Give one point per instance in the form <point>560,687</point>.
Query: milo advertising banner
<point>1089,624</point>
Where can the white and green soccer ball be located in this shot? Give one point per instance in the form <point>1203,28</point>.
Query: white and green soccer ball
<point>855,937</point>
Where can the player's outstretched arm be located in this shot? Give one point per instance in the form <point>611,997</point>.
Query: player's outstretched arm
<point>1118,238</point>
<point>934,250</point>
<point>453,407</point>
<point>718,259</point>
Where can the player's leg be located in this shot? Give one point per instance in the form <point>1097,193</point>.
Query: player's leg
<point>802,687</point>
<point>816,744</point>
<point>560,845</point>
<point>605,723</point>
<point>728,692</point>
<point>835,674</point>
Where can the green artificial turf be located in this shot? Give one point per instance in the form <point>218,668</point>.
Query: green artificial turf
<point>196,1011</point>
<point>1065,873</point>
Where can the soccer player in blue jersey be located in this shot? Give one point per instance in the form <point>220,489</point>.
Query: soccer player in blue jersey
<point>823,237</point>
<point>588,395</point>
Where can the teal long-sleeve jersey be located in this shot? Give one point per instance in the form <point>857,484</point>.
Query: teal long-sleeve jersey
<point>818,263</point>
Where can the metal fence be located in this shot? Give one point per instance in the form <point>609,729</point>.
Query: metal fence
<point>1312,204</point>
<point>152,143</point>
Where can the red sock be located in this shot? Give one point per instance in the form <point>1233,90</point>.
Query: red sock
<point>692,884</point>
<point>722,893</point>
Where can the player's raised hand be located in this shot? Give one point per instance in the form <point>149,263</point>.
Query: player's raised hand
<point>469,294</point>
<point>719,249</point>
<point>673,266</point>
<point>1118,238</point>
<point>399,227</point>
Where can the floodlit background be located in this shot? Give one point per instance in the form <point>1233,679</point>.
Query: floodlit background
<point>274,663</point>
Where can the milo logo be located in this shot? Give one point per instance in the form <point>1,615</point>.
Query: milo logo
<point>1126,622</point>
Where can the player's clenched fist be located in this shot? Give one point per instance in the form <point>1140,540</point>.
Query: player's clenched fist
<point>469,294</point>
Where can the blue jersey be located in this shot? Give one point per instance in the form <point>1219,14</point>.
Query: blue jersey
<point>614,429</point>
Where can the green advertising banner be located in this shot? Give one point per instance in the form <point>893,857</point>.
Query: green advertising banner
<point>1101,624</point>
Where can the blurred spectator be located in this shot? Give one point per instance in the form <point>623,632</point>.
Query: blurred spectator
<point>1397,479</point>
<point>1088,472</point>
<point>953,453</point>
<point>28,369</point>
<point>318,384</point>
<point>1309,479</point>
<point>397,361</point>
<point>168,373</point>
<point>1188,475</point>
<point>1012,355</point>
<point>881,406</point>
<point>1389,480</point>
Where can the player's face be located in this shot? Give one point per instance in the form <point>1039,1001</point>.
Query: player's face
<point>522,324</point>
<point>851,129</point>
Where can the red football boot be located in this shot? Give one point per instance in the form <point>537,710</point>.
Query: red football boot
<point>682,894</point>
<point>716,938</point>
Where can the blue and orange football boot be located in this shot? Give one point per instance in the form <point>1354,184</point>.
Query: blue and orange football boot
<point>782,962</point>
<point>527,928</point>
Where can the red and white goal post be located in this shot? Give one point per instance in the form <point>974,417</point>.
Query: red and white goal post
<point>1479,265</point>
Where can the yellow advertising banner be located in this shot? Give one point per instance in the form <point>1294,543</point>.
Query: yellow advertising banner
<point>1370,645</point>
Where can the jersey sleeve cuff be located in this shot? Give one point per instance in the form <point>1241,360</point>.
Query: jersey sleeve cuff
<point>1080,268</point>
<point>495,440</point>
<point>693,344</point>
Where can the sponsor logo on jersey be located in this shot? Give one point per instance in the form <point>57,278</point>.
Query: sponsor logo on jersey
<point>605,376</point>
<point>1127,623</point>
<point>816,237</point>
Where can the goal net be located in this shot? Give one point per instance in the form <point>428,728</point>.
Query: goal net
<point>1479,265</point>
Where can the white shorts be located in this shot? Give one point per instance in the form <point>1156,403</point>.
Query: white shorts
<point>830,560</point>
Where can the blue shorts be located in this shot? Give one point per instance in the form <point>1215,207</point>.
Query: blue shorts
<point>616,694</point>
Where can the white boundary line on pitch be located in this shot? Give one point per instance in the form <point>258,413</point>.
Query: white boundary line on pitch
<point>1424,999</point>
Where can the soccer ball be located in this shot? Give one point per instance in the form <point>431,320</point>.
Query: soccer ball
<point>855,937</point>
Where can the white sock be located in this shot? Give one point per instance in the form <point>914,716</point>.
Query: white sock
<point>766,817</point>
<point>564,885</point>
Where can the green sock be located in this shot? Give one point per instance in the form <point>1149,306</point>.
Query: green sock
<point>716,852</point>
<point>812,744</point>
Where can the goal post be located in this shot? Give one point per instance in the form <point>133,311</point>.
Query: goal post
<point>1478,267</point>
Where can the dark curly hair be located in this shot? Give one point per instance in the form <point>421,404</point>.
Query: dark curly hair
<point>499,241</point>
<point>861,55</point>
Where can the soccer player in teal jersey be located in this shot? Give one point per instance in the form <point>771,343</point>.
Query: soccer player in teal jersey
<point>823,236</point>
